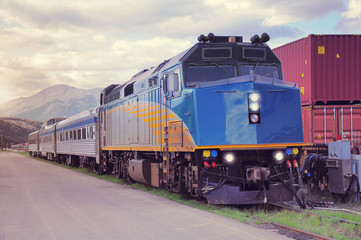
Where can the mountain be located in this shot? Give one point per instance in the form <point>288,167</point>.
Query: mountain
<point>15,130</point>
<point>53,102</point>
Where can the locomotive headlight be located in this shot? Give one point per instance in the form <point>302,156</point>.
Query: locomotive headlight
<point>254,107</point>
<point>278,157</point>
<point>254,97</point>
<point>229,158</point>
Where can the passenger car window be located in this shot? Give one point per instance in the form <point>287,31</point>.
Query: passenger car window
<point>266,71</point>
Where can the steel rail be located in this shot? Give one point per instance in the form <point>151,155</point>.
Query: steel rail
<point>289,208</point>
<point>314,235</point>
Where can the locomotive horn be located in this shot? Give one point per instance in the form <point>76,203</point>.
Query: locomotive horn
<point>264,38</point>
<point>255,39</point>
<point>211,37</point>
<point>202,38</point>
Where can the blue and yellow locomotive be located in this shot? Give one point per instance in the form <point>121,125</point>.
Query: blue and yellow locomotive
<point>217,121</point>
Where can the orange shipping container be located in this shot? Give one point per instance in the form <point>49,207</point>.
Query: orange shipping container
<point>324,124</point>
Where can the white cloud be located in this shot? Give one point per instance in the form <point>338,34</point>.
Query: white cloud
<point>354,10</point>
<point>90,43</point>
<point>351,21</point>
<point>278,20</point>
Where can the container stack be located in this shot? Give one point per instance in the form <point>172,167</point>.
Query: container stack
<point>327,69</point>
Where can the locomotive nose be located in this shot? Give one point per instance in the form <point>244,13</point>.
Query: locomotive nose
<point>247,113</point>
<point>228,107</point>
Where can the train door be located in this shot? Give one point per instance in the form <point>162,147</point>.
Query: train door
<point>96,134</point>
<point>144,129</point>
<point>102,130</point>
<point>172,129</point>
<point>37,142</point>
<point>132,122</point>
<point>55,140</point>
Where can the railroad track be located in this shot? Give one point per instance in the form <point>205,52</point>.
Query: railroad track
<point>290,208</point>
<point>310,234</point>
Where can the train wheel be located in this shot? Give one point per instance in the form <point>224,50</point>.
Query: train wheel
<point>101,166</point>
<point>124,164</point>
<point>94,167</point>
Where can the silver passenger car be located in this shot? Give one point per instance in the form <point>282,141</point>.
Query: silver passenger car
<point>77,138</point>
<point>47,141</point>
<point>33,143</point>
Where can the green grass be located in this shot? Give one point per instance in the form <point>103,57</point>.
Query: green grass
<point>320,225</point>
<point>339,214</point>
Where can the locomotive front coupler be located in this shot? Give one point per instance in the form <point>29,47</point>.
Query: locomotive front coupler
<point>255,174</point>
<point>227,177</point>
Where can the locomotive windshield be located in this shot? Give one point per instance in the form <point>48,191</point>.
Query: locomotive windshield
<point>201,73</point>
<point>266,71</point>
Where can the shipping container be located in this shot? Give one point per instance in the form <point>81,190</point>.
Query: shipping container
<point>327,123</point>
<point>327,68</point>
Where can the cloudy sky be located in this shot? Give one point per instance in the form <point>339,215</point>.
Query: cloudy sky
<point>92,43</point>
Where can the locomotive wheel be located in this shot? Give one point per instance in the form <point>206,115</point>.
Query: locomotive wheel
<point>102,167</point>
<point>118,172</point>
<point>124,171</point>
<point>94,167</point>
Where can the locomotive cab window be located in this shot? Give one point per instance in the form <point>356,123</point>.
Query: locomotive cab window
<point>266,71</point>
<point>129,89</point>
<point>208,73</point>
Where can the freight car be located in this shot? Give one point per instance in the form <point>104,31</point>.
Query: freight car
<point>216,121</point>
<point>326,67</point>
